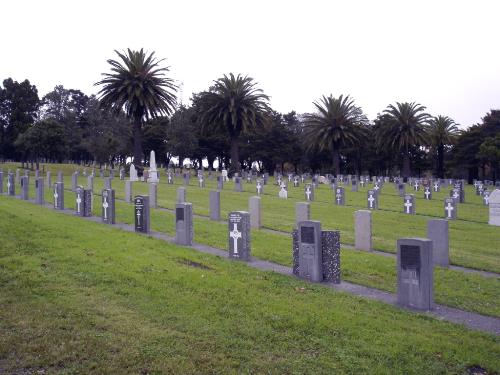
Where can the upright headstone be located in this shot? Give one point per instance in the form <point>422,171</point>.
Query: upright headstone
<point>128,191</point>
<point>17,176</point>
<point>74,181</point>
<point>415,286</point>
<point>437,232</point>
<point>372,199</point>
<point>401,189</point>
<point>48,179</point>
<point>363,230</point>
<point>39,191</point>
<point>436,186</point>
<point>330,256</point>
<point>201,181</point>
<point>239,235</point>
<point>59,196</point>
<point>186,178</point>
<point>122,173</point>
<point>409,204</point>
<point>184,224</point>
<point>214,205</point>
<point>181,194</point>
<point>107,182</point>
<point>220,182</point>
<point>24,188</point>
<point>60,176</point>
<point>302,212</point>
<point>283,193</point>
<point>310,260</point>
<point>340,196</point>
<point>255,212</point>
<point>486,198</point>
<point>153,172</point>
<point>108,206</point>
<point>1,182</point>
<point>237,184</point>
<point>494,207</point>
<point>141,212</point>
<point>224,175</point>
<point>133,173</point>
<point>83,201</point>
<point>427,193</point>
<point>170,178</point>
<point>450,208</point>
<point>259,187</point>
<point>11,184</point>
<point>309,193</point>
<point>354,185</point>
<point>153,195</point>
<point>90,182</point>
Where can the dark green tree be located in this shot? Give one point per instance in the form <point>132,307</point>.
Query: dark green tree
<point>442,134</point>
<point>138,85</point>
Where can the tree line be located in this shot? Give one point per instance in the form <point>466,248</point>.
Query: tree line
<point>232,122</point>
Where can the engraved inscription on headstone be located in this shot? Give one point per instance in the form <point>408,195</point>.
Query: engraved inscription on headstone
<point>141,213</point>
<point>310,250</point>
<point>239,235</point>
<point>184,224</point>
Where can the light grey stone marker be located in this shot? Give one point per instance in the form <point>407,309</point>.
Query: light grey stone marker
<point>128,191</point>
<point>372,199</point>
<point>181,194</point>
<point>90,182</point>
<point>237,184</point>
<point>59,196</point>
<point>437,232</point>
<point>259,187</point>
<point>409,204</point>
<point>310,250</point>
<point>354,185</point>
<point>108,206</point>
<point>415,285</point>
<point>1,182</point>
<point>450,208</point>
<point>17,176</point>
<point>141,213</point>
<point>25,188</point>
<point>340,196</point>
<point>60,176</point>
<point>48,180</point>
<point>494,206</point>
<point>11,184</point>
<point>302,212</point>
<point>153,195</point>
<point>239,235</point>
<point>214,205</point>
<point>39,191</point>
<point>363,230</point>
<point>184,224</point>
<point>254,206</point>
<point>74,181</point>
<point>107,182</point>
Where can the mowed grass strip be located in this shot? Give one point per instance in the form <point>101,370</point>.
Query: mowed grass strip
<point>80,297</point>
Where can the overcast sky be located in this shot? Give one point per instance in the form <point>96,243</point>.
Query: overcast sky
<point>442,54</point>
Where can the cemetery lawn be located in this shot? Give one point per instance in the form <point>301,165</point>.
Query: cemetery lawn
<point>82,297</point>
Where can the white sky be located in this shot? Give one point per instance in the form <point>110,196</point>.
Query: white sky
<point>442,54</point>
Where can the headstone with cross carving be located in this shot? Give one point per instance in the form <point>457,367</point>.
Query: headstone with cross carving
<point>184,224</point>
<point>283,193</point>
<point>486,198</point>
<point>59,196</point>
<point>409,204</point>
<point>455,194</point>
<point>39,191</point>
<point>259,187</point>
<point>415,284</point>
<point>239,235</point>
<point>83,201</point>
<point>427,193</point>
<point>141,213</point>
<point>309,192</point>
<point>339,196</point>
<point>214,205</point>
<point>24,188</point>
<point>170,178</point>
<point>108,206</point>
<point>296,181</point>
<point>450,208</point>
<point>436,186</point>
<point>372,199</point>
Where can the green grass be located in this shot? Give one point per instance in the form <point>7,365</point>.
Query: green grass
<point>79,297</point>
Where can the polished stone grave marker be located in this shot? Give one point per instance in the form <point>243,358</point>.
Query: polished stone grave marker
<point>24,188</point>
<point>184,224</point>
<point>254,207</point>
<point>340,196</point>
<point>59,196</point>
<point>372,199</point>
<point>153,195</point>
<point>141,213</point>
<point>181,194</point>
<point>309,193</point>
<point>239,235</point>
<point>437,232</point>
<point>409,204</point>
<point>108,206</point>
<point>39,191</point>
<point>310,251</point>
<point>11,184</point>
<point>330,256</point>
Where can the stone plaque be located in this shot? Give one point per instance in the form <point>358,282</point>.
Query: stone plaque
<point>184,224</point>
<point>310,250</point>
<point>239,235</point>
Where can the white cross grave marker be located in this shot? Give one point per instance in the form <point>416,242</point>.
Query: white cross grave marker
<point>55,197</point>
<point>308,193</point>
<point>408,205</point>
<point>436,186</point>
<point>78,201</point>
<point>138,214</point>
<point>371,200</point>
<point>235,234</point>
<point>105,205</point>
<point>449,208</point>
<point>427,193</point>
<point>259,188</point>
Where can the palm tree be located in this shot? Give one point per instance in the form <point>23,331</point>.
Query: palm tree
<point>336,123</point>
<point>233,104</point>
<point>404,127</point>
<point>442,132</point>
<point>138,85</point>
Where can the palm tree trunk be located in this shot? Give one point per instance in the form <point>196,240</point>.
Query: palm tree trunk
<point>137,134</point>
<point>440,161</point>
<point>406,166</point>
<point>235,157</point>
<point>336,160</point>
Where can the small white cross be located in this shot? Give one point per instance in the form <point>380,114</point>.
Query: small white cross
<point>8,185</point>
<point>308,193</point>
<point>371,200</point>
<point>138,214</point>
<point>376,187</point>
<point>449,208</point>
<point>408,204</point>
<point>427,193</point>
<point>455,194</point>
<point>436,186</point>
<point>487,199</point>
<point>55,197</point>
<point>416,185</point>
<point>259,188</point>
<point>105,205</point>
<point>235,234</point>
<point>78,201</point>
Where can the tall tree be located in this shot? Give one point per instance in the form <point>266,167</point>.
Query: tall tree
<point>404,129</point>
<point>336,123</point>
<point>234,104</point>
<point>138,86</point>
<point>442,132</point>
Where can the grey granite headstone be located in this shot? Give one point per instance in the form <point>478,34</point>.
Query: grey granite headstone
<point>83,202</point>
<point>17,176</point>
<point>415,285</point>
<point>427,193</point>
<point>330,255</point>
<point>74,181</point>
<point>494,207</point>
<point>141,213</point>
<point>153,195</point>
<point>220,182</point>
<point>255,212</point>
<point>409,204</point>
<point>302,212</point>
<point>437,232</point>
<point>310,250</point>
<point>436,186</point>
<point>186,178</point>
<point>450,208</point>
<point>372,199</point>
<point>354,185</point>
<point>128,191</point>
<point>184,224</point>
<point>214,205</point>
<point>122,173</point>
<point>48,179</point>
<point>37,173</point>
<point>181,194</point>
<point>401,189</point>
<point>363,230</point>
<point>170,178</point>
<point>60,176</point>
<point>11,184</point>
<point>39,191</point>
<point>237,184</point>
<point>90,182</point>
<point>339,196</point>
<point>259,187</point>
<point>239,235</point>
<point>309,192</point>
<point>108,206</point>
<point>24,188</point>
<point>59,196</point>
